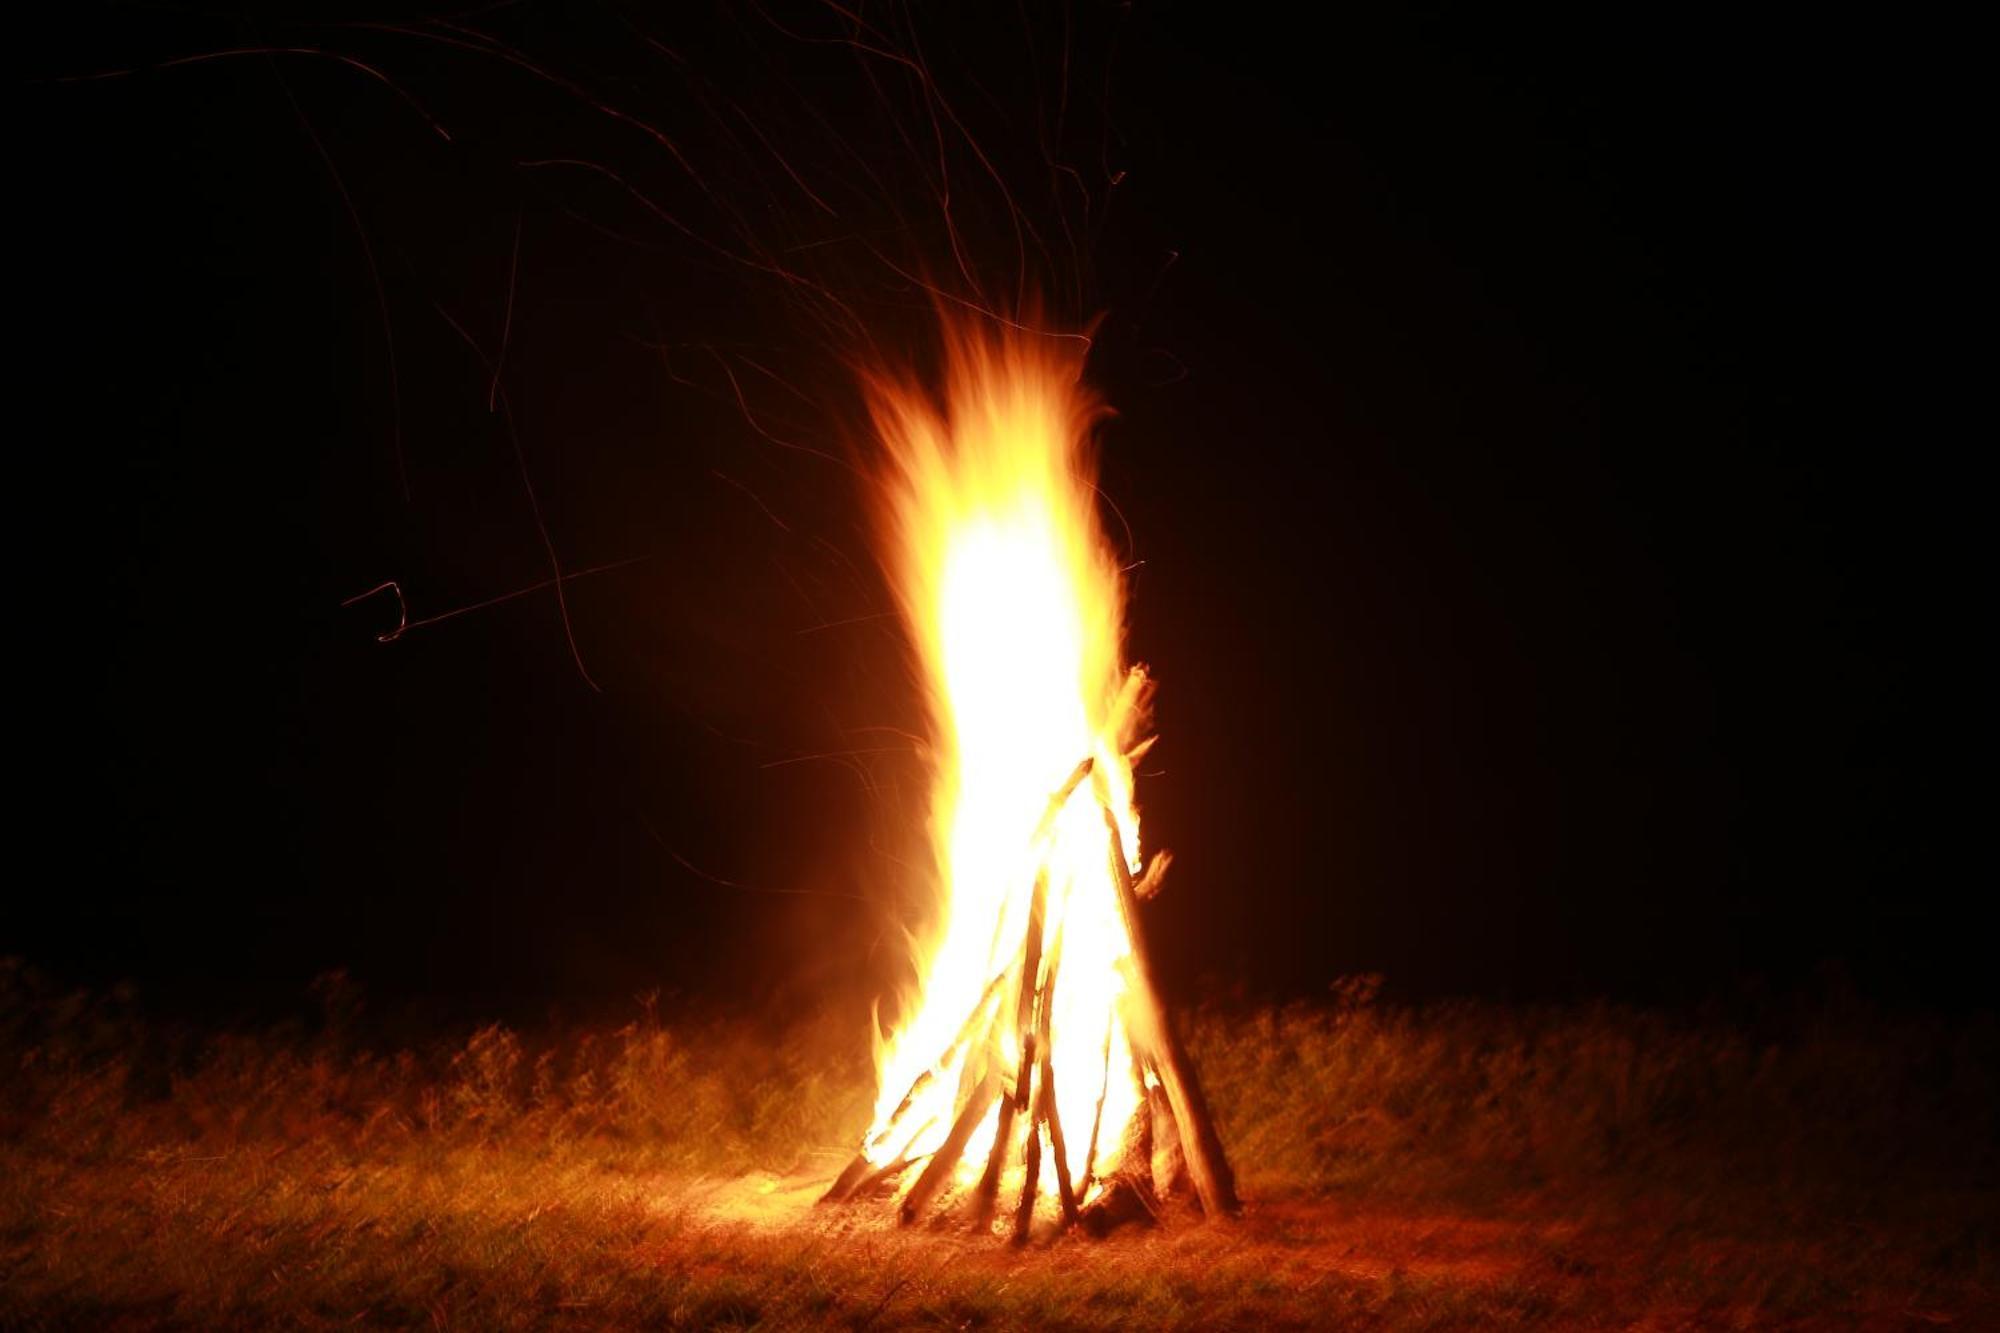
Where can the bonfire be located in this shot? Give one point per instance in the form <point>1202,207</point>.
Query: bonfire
<point>1036,1062</point>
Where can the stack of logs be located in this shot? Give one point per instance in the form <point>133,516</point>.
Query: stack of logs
<point>1172,1135</point>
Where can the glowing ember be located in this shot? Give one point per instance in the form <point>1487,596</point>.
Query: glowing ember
<point>1021,1059</point>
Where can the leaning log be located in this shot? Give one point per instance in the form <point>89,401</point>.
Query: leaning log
<point>944,1062</point>
<point>1097,1118</point>
<point>1024,1014</point>
<point>945,1160</point>
<point>1169,1157</point>
<point>844,1184</point>
<point>1207,1165</point>
<point>1024,1211</point>
<point>1058,1148</point>
<point>1126,1194</point>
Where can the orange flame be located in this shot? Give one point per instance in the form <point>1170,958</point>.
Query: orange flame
<point>1015,607</point>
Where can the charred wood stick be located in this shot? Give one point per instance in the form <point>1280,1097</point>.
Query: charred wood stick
<point>862,1177</point>
<point>988,1189</point>
<point>1024,1016</point>
<point>1003,1128</point>
<point>1031,981</point>
<point>946,1157</point>
<point>1169,1157</point>
<point>1065,1187</point>
<point>849,1179</point>
<point>1207,1164</point>
<point>1031,1179</point>
<point>1060,799</point>
<point>1135,1154</point>
<point>1045,1091</point>
<point>989,1184</point>
<point>1127,1192</point>
<point>888,1173</point>
<point>923,1080</point>
<point>1024,1211</point>
<point>1097,1120</point>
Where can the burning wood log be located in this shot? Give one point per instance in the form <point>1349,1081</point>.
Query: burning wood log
<point>1169,1161</point>
<point>1127,1193</point>
<point>845,1183</point>
<point>884,1178</point>
<point>972,1024</point>
<point>1052,1116</point>
<point>1214,1183</point>
<point>987,1191</point>
<point>1060,799</point>
<point>946,1158</point>
<point>1024,1211</point>
<point>1044,1112</point>
<point>1017,1101</point>
<point>858,1171</point>
<point>1097,1117</point>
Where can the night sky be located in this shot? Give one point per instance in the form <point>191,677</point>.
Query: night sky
<point>1544,562</point>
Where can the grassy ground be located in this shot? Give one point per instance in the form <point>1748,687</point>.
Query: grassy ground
<point>1456,1167</point>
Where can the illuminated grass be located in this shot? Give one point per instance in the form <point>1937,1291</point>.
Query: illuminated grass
<point>1443,1168</point>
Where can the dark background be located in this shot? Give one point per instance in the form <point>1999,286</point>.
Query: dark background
<point>1540,547</point>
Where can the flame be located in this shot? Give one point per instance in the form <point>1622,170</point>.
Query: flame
<point>1015,607</point>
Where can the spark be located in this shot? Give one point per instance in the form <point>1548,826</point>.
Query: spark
<point>375,281</point>
<point>534,504</point>
<point>207,56</point>
<point>404,624</point>
<point>507,325</point>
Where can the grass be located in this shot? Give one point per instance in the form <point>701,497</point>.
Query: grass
<point>1466,1166</point>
